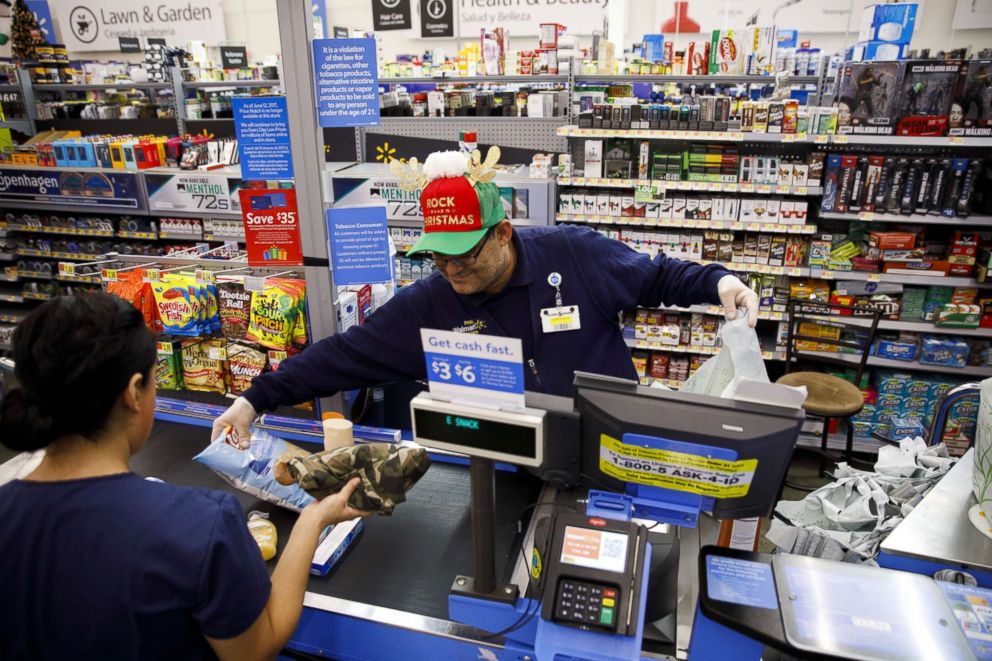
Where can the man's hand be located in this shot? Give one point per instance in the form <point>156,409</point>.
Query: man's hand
<point>735,294</point>
<point>239,416</point>
<point>334,508</point>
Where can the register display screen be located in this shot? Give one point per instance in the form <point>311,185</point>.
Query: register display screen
<point>596,549</point>
<point>470,432</point>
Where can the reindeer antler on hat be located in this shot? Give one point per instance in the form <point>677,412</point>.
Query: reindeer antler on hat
<point>459,201</point>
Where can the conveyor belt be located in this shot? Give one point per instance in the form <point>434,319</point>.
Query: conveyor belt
<point>407,561</point>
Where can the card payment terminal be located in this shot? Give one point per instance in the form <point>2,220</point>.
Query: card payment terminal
<point>595,573</point>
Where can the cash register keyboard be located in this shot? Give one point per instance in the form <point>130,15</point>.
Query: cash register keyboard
<point>582,603</point>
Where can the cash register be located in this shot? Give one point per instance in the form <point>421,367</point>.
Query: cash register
<point>619,460</point>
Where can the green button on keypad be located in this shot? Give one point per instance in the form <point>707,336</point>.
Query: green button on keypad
<point>606,616</point>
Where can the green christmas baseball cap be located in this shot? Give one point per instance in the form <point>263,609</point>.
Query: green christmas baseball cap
<point>457,213</point>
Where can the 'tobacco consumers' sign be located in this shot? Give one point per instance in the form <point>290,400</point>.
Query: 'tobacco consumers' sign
<point>272,227</point>
<point>347,82</point>
<point>359,245</point>
<point>92,26</point>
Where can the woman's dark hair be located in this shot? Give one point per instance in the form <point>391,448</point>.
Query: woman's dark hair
<point>74,355</point>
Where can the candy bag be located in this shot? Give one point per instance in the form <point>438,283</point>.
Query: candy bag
<point>131,286</point>
<point>273,315</point>
<point>203,365</point>
<point>234,305</point>
<point>178,308</point>
<point>168,367</point>
<point>244,363</point>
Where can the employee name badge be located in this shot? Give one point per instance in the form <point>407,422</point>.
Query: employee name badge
<point>561,317</point>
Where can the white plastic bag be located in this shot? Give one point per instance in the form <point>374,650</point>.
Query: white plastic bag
<point>981,514</point>
<point>739,358</point>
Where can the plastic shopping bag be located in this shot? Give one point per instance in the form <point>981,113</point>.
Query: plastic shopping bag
<point>253,470</point>
<point>739,358</point>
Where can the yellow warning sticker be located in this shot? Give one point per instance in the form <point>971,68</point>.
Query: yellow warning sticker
<point>680,471</point>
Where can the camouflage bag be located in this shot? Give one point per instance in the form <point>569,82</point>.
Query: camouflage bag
<point>387,471</point>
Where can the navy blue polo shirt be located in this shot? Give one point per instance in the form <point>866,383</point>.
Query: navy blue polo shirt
<point>119,567</point>
<point>601,276</point>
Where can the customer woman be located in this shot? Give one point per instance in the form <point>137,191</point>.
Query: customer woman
<point>100,563</point>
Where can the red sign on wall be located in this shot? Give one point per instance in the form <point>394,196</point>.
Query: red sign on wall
<point>272,227</point>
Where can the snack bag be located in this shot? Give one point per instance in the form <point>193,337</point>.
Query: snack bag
<point>234,305</point>
<point>177,307</point>
<point>203,365</point>
<point>131,286</point>
<point>244,363</point>
<point>213,309</point>
<point>168,368</point>
<point>300,324</point>
<point>252,470</point>
<point>273,315</point>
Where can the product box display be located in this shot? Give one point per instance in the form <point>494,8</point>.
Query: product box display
<point>971,109</point>
<point>925,95</point>
<point>867,98</point>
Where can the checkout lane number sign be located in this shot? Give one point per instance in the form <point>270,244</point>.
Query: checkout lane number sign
<point>677,466</point>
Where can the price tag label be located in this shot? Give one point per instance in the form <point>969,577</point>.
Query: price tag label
<point>874,277</point>
<point>151,275</point>
<point>866,215</point>
<point>841,139</point>
<point>108,275</point>
<point>205,276</point>
<point>67,269</point>
<point>821,139</point>
<point>217,353</point>
<point>956,140</point>
<point>802,136</point>
<point>788,137</point>
<point>163,348</point>
<point>276,357</point>
<point>783,190</point>
<point>731,187</point>
<point>747,188</point>
<point>800,190</point>
<point>764,188</point>
<point>253,283</point>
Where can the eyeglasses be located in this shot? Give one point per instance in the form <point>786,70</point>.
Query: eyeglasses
<point>463,260</point>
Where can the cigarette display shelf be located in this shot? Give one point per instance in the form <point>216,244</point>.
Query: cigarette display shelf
<point>11,315</point>
<point>668,383</point>
<point>221,84</point>
<point>7,277</point>
<point>701,350</point>
<point>82,279</point>
<point>118,86</point>
<point>899,278</point>
<point>138,235</point>
<point>48,254</point>
<point>66,231</point>
<point>775,228</point>
<point>493,80</point>
<point>957,222</point>
<point>572,131</point>
<point>913,366</point>
<point>708,186</point>
<point>34,275</point>
<point>180,236</point>
<point>220,237</point>
<point>11,297</point>
<point>767,315</point>
<point>765,269</point>
<point>696,80</point>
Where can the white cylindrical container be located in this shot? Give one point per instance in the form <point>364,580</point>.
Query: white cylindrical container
<point>337,433</point>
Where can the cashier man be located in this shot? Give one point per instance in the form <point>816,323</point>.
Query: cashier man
<point>561,290</point>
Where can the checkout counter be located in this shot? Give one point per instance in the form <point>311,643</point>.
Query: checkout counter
<point>569,526</point>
